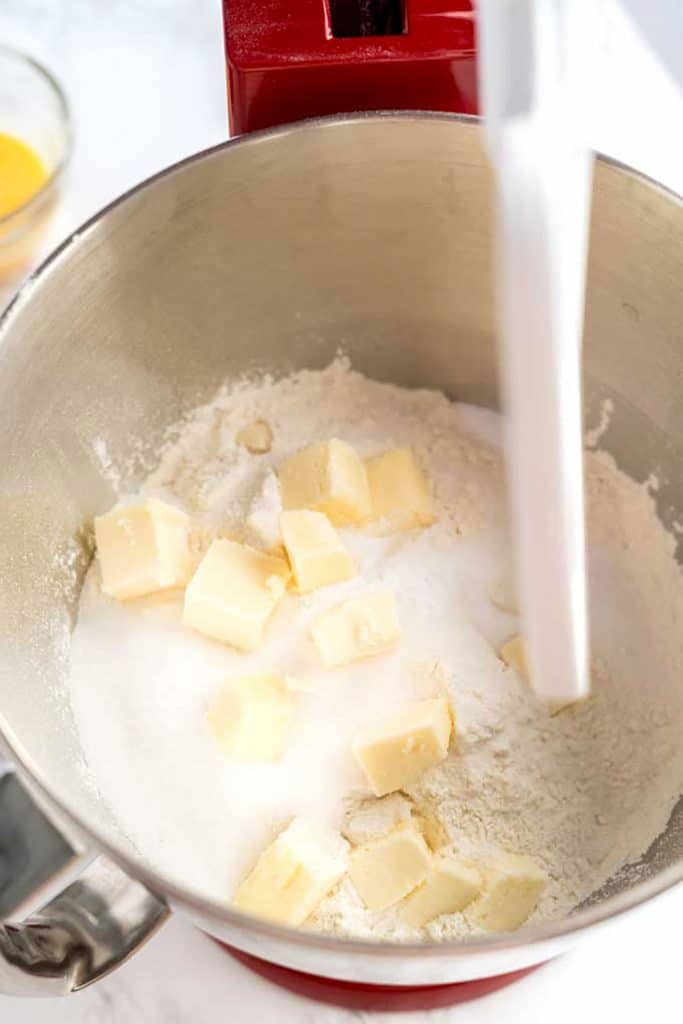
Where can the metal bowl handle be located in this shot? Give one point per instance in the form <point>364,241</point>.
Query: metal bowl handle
<point>67,915</point>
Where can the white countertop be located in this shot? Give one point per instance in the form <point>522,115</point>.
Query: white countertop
<point>629,974</point>
<point>146,82</point>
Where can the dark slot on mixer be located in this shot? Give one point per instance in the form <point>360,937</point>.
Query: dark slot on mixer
<point>356,18</point>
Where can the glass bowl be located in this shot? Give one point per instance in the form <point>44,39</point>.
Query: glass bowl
<point>33,109</point>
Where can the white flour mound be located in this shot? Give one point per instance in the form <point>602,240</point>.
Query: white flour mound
<point>583,792</point>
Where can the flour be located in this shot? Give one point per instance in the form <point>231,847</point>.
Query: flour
<point>582,792</point>
<point>594,435</point>
<point>107,468</point>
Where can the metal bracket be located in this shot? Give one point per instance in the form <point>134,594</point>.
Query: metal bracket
<point>81,934</point>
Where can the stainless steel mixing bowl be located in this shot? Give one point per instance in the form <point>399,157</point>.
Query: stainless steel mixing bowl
<point>369,233</point>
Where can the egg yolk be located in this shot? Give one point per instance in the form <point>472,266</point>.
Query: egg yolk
<point>22,173</point>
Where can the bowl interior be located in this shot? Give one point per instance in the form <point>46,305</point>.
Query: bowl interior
<point>366,234</point>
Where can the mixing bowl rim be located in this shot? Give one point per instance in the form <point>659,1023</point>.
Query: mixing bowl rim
<point>212,911</point>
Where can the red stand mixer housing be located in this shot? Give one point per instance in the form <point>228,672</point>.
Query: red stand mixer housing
<point>291,59</point>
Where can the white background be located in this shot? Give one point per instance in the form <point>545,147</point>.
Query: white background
<point>146,83</point>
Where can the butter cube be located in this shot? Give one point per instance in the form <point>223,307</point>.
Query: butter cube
<point>513,654</point>
<point>448,888</point>
<point>512,888</point>
<point>357,628</point>
<point>233,593</point>
<point>399,490</point>
<point>315,552</point>
<point>385,870</point>
<point>143,548</point>
<point>328,477</point>
<point>294,873</point>
<point>395,751</point>
<point>251,717</point>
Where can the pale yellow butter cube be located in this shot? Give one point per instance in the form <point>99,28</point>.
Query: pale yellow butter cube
<point>328,477</point>
<point>233,593</point>
<point>513,885</point>
<point>357,628</point>
<point>513,654</point>
<point>143,548</point>
<point>396,750</point>
<point>251,717</point>
<point>314,549</point>
<point>294,873</point>
<point>385,870</point>
<point>449,887</point>
<point>399,490</point>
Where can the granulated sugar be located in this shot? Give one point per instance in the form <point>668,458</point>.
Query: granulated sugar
<point>583,792</point>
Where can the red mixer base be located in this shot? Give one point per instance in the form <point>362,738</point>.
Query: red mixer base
<point>357,996</point>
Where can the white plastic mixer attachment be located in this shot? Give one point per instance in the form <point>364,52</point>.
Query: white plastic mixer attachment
<point>530,51</point>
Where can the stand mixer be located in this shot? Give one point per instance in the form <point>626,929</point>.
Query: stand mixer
<point>346,191</point>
